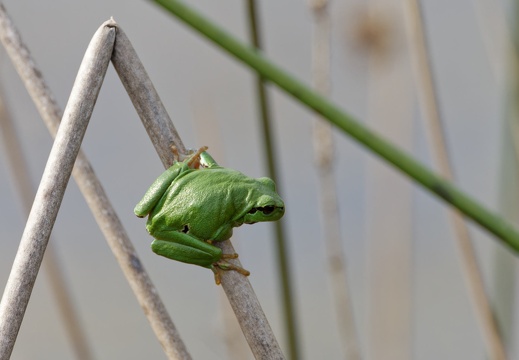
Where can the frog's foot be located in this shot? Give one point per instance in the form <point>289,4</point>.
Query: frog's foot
<point>194,159</point>
<point>224,265</point>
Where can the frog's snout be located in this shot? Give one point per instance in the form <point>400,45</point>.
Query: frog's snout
<point>268,212</point>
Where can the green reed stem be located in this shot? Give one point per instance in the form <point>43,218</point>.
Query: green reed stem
<point>328,110</point>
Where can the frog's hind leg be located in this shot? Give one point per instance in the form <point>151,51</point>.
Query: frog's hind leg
<point>185,248</point>
<point>179,246</point>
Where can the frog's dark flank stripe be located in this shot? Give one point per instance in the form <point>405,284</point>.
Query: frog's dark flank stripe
<point>375,143</point>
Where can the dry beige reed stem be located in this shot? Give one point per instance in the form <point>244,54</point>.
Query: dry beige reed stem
<point>163,135</point>
<point>431,111</point>
<point>95,196</point>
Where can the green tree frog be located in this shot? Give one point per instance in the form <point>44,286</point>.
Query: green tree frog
<point>197,202</point>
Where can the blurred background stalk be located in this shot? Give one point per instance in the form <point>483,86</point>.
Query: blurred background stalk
<point>328,197</point>
<point>51,262</point>
<point>501,41</point>
<point>436,133</point>
<point>389,207</point>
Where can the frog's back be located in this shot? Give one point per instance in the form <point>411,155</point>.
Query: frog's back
<point>205,200</point>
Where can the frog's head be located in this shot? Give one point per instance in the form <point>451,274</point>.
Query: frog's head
<point>267,206</point>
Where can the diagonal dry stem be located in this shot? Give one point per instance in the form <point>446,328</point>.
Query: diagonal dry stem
<point>163,135</point>
<point>103,211</point>
<point>239,291</point>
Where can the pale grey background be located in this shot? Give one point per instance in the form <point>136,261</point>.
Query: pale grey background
<point>188,72</point>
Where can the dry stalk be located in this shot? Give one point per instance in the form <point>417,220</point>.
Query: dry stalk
<point>163,135</point>
<point>208,131</point>
<point>103,211</point>
<point>242,298</point>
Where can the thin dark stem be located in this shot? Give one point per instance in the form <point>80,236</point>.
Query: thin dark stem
<point>269,148</point>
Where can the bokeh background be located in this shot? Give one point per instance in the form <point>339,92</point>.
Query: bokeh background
<point>409,296</point>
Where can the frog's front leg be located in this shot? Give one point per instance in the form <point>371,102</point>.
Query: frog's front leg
<point>157,189</point>
<point>183,247</point>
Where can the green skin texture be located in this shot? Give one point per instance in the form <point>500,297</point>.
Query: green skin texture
<point>191,208</point>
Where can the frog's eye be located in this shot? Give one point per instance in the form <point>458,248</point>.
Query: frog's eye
<point>267,210</point>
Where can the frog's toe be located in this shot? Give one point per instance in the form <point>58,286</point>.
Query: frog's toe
<point>230,256</point>
<point>224,265</point>
<point>217,276</point>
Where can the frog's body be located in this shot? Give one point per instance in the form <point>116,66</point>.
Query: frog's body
<point>191,208</point>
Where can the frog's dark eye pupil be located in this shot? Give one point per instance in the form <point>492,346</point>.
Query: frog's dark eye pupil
<point>267,210</point>
<point>185,229</point>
